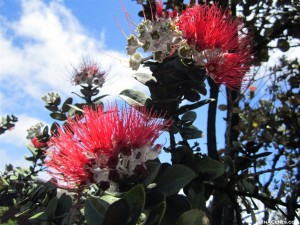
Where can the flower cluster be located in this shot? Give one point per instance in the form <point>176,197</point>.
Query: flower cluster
<point>51,97</point>
<point>104,147</point>
<point>33,134</point>
<point>159,37</point>
<point>217,42</point>
<point>205,34</point>
<point>89,74</point>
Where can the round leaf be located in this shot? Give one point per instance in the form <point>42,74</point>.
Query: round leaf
<point>209,169</point>
<point>193,217</point>
<point>174,178</point>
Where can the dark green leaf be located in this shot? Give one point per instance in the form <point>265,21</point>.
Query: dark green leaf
<point>58,116</point>
<point>208,169</point>
<point>28,207</point>
<point>156,214</point>
<point>64,204</point>
<point>66,106</point>
<point>51,107</point>
<point>51,207</point>
<point>152,169</point>
<point>190,132</point>
<point>94,210</point>
<point>136,201</point>
<point>174,178</point>
<point>153,198</point>
<point>189,117</point>
<point>116,214</point>
<point>176,205</point>
<point>283,45</point>
<point>193,217</point>
<point>57,101</point>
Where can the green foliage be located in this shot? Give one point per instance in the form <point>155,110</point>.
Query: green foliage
<point>7,123</point>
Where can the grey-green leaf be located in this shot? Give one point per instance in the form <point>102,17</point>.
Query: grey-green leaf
<point>135,97</point>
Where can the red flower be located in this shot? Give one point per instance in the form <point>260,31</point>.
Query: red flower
<point>103,145</point>
<point>252,88</point>
<point>37,144</point>
<point>218,43</point>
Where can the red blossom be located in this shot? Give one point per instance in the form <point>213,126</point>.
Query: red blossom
<point>252,88</point>
<point>37,144</point>
<point>159,8</point>
<point>220,42</point>
<point>88,149</point>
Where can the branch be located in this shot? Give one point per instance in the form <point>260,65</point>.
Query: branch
<point>211,120</point>
<point>266,171</point>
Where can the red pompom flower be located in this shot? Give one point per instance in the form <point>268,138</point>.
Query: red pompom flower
<point>102,147</point>
<point>218,43</point>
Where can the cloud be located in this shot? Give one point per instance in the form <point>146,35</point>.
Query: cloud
<point>38,50</point>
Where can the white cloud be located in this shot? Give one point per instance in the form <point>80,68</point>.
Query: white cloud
<point>37,51</point>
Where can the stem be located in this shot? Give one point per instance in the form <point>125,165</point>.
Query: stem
<point>232,119</point>
<point>211,120</point>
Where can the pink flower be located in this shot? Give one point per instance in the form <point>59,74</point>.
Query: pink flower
<point>103,147</point>
<point>218,43</point>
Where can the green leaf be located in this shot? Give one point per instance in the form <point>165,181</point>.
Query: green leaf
<point>174,178</point>
<point>64,204</point>
<point>208,169</point>
<point>222,107</point>
<point>190,132</point>
<point>191,95</point>
<point>153,198</point>
<point>136,199</point>
<point>66,106</point>
<point>156,214</point>
<point>135,97</point>
<point>94,210</point>
<point>51,207</point>
<point>28,207</point>
<point>116,214</point>
<point>39,216</point>
<point>283,45</point>
<point>152,169</point>
<point>189,117</point>
<point>193,217</point>
<point>58,116</point>
<point>176,205</point>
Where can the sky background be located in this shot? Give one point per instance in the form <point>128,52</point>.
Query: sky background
<point>42,41</point>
